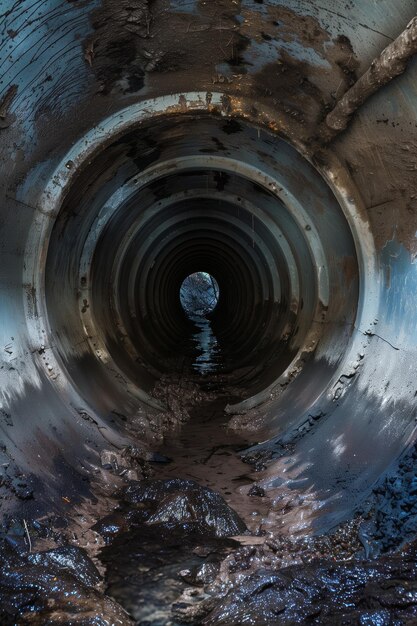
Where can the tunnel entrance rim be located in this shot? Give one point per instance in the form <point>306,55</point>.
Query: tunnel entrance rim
<point>132,117</point>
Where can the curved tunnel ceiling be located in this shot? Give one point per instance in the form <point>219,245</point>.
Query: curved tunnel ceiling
<point>133,157</point>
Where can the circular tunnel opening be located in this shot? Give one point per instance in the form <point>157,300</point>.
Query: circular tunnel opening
<point>199,294</point>
<point>158,203</point>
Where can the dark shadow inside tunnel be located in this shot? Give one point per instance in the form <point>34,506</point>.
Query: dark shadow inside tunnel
<point>158,204</point>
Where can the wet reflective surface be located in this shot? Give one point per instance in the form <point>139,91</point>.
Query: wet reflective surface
<point>209,358</point>
<point>147,572</point>
<point>60,586</point>
<point>197,541</point>
<point>172,541</point>
<point>189,544</point>
<point>379,593</point>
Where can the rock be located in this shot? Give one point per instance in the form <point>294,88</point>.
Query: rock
<point>304,594</point>
<point>173,508</point>
<point>366,533</point>
<point>50,593</point>
<point>130,474</point>
<point>261,597</point>
<point>117,523</point>
<point>201,575</point>
<point>255,490</point>
<point>111,525</point>
<point>68,559</point>
<point>186,504</point>
<point>190,609</point>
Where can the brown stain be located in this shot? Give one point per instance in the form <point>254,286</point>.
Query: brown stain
<point>134,39</point>
<point>349,268</point>
<point>287,82</point>
<point>6,118</point>
<point>303,90</point>
<point>141,45</point>
<point>383,165</point>
<point>284,24</point>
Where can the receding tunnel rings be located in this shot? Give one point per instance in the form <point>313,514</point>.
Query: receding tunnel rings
<point>189,230</point>
<point>145,206</point>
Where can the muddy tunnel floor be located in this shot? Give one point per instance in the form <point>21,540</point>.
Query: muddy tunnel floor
<point>147,571</point>
<point>191,542</point>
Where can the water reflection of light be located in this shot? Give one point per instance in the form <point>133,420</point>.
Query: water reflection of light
<point>206,343</point>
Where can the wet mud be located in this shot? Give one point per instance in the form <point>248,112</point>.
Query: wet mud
<point>59,586</point>
<point>189,538</point>
<point>262,576</point>
<point>159,577</point>
<point>176,575</point>
<point>375,592</point>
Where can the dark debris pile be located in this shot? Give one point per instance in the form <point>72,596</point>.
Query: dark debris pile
<point>59,586</point>
<point>382,592</point>
<point>392,508</point>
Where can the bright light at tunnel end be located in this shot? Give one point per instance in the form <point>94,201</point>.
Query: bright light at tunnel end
<point>199,294</point>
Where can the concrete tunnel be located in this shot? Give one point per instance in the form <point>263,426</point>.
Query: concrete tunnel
<point>145,140</point>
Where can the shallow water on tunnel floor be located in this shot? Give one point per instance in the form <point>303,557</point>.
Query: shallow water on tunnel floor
<point>206,451</point>
<point>209,357</point>
<point>146,575</point>
<point>144,572</point>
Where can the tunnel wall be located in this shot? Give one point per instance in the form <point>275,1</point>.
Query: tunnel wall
<point>69,67</point>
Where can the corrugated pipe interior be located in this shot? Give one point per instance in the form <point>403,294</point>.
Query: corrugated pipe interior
<point>145,141</point>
